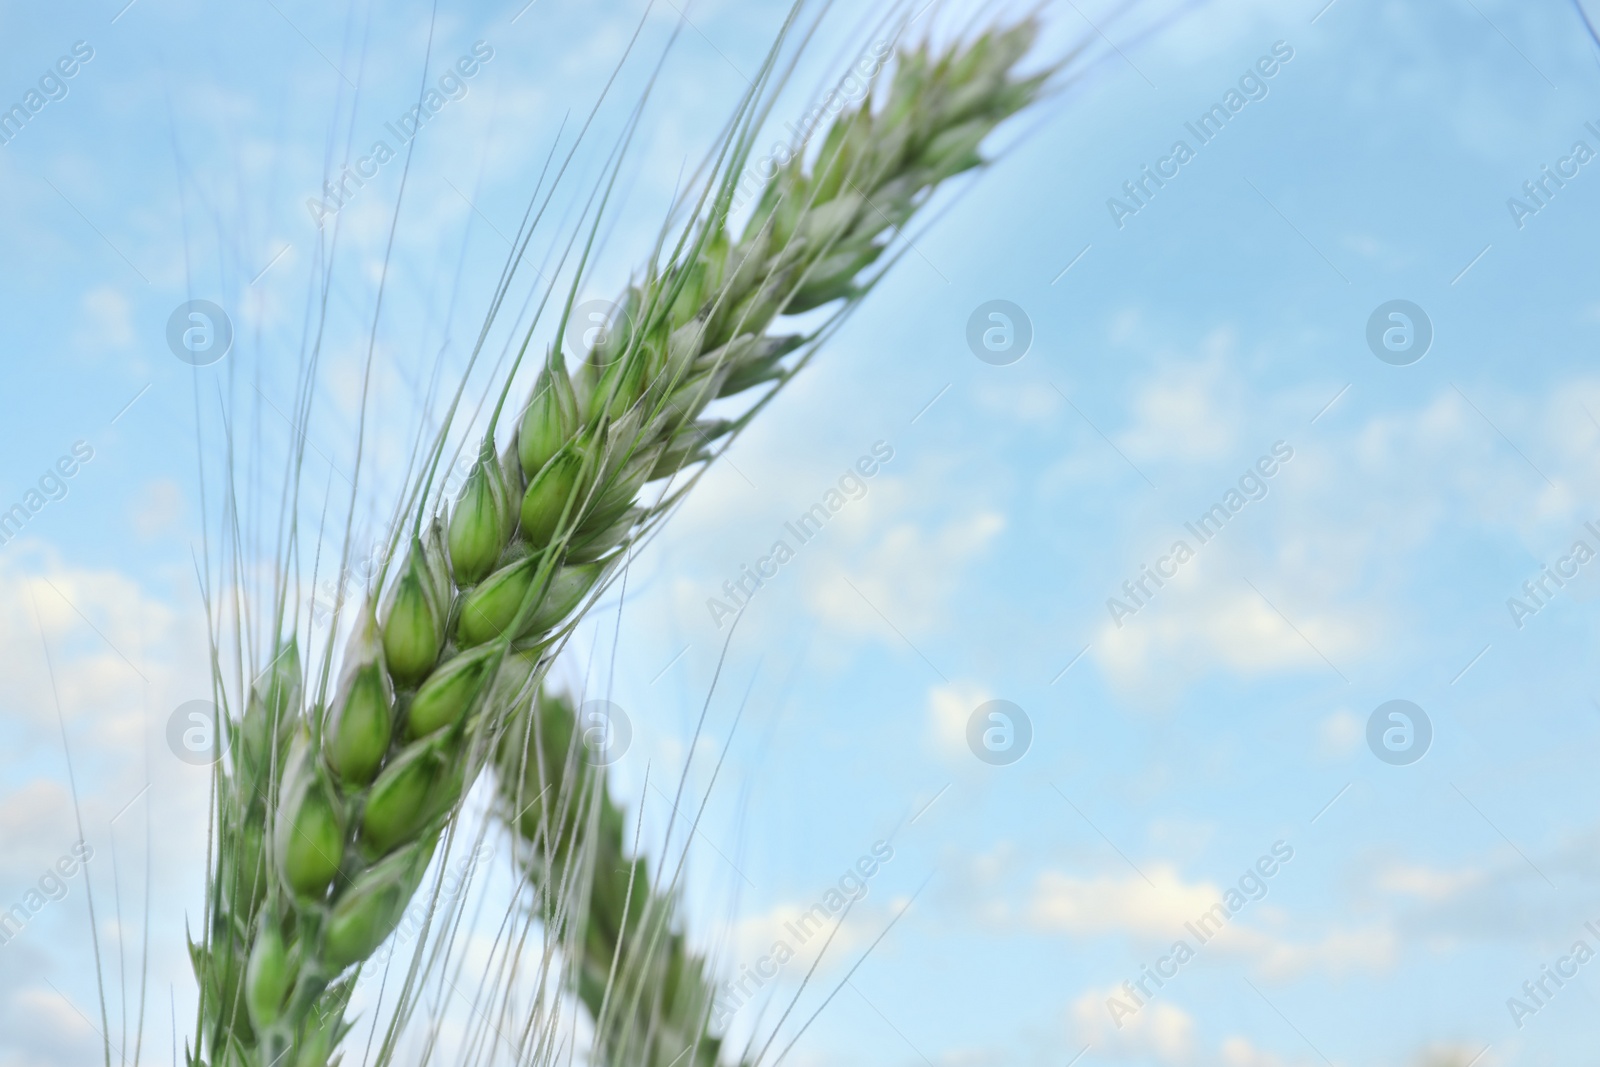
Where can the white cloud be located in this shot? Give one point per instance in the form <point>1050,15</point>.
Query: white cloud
<point>804,930</point>
<point>904,580</point>
<point>121,658</point>
<point>1160,1031</point>
<point>1340,734</point>
<point>1425,883</point>
<point>1491,897</point>
<point>1463,1054</point>
<point>974,885</point>
<point>1190,410</point>
<point>949,707</point>
<point>882,567</point>
<point>1327,544</point>
<point>1028,402</point>
<point>1196,625</point>
<point>45,1020</point>
<point>1157,911</point>
<point>159,508</point>
<point>36,824</point>
<point>107,320</point>
<point>1105,904</point>
<point>1369,949</point>
<point>1240,1052</point>
<point>108,637</point>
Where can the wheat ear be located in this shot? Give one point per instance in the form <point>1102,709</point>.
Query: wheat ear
<point>633,970</point>
<point>650,994</point>
<point>333,812</point>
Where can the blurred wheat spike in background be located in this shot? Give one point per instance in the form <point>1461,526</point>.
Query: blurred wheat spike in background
<point>345,781</point>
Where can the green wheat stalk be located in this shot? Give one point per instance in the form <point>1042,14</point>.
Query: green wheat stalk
<point>332,808</point>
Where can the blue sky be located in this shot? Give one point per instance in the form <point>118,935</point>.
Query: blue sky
<point>1169,753</point>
